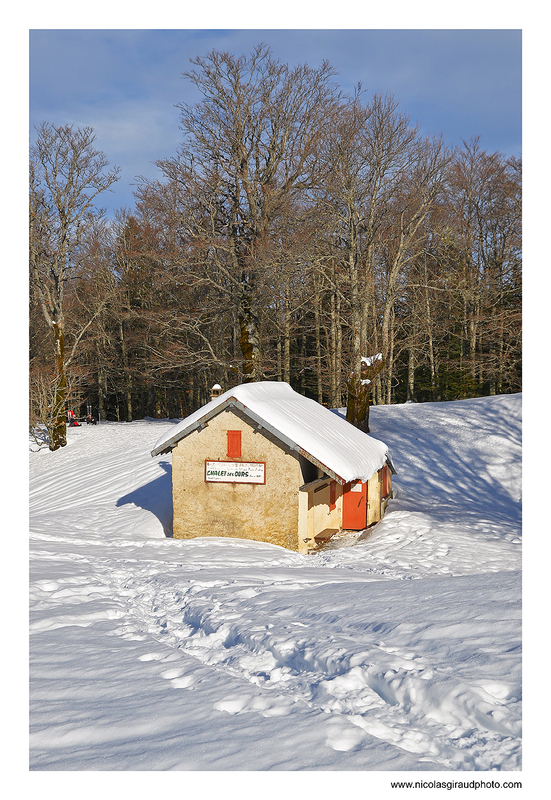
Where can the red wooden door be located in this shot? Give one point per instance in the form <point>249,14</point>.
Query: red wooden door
<point>354,506</point>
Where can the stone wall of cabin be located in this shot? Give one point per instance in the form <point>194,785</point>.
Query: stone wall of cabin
<point>264,512</point>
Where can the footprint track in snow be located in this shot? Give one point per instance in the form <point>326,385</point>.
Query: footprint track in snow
<point>286,661</point>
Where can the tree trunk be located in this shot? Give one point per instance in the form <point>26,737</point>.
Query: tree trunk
<point>127,374</point>
<point>102,392</point>
<point>287,336</point>
<point>357,405</point>
<point>333,351</point>
<point>249,340</point>
<point>411,375</point>
<point>336,345</point>
<point>390,359</point>
<point>58,432</point>
<point>318,347</point>
<point>473,336</point>
<point>430,337</point>
<point>500,357</point>
<point>279,359</point>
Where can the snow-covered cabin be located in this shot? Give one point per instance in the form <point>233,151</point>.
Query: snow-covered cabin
<point>262,462</point>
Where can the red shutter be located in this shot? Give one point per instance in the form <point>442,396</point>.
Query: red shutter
<point>234,444</point>
<point>385,481</point>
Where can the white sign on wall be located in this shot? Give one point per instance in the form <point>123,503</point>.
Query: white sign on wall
<point>235,472</point>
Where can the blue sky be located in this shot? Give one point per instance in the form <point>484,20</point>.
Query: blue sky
<point>126,83</point>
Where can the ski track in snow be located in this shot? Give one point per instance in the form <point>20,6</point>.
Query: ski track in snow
<point>407,635</point>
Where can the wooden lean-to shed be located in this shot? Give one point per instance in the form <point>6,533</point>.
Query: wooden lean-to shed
<point>262,462</point>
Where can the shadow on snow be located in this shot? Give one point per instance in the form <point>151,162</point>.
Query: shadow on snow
<point>156,497</point>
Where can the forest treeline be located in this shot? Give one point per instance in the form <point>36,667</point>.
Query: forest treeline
<point>295,231</point>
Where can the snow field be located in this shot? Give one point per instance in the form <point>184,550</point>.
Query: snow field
<point>398,649</point>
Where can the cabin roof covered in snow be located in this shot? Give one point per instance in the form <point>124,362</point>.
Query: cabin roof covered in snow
<point>323,437</point>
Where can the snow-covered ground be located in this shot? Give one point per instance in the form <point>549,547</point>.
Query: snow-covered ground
<point>399,650</point>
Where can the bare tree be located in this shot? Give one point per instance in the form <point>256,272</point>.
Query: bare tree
<point>66,176</point>
<point>367,153</point>
<point>406,235</point>
<point>247,151</point>
<point>485,217</point>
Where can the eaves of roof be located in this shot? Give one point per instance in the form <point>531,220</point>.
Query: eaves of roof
<point>233,402</point>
